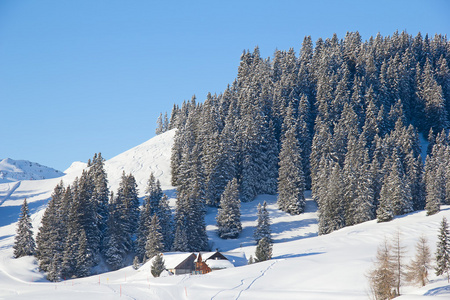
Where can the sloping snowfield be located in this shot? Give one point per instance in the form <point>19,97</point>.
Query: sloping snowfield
<point>304,265</point>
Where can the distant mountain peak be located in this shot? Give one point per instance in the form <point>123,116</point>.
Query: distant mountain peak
<point>16,170</point>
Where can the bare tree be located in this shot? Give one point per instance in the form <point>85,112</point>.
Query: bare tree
<point>398,253</point>
<point>417,270</point>
<point>382,278</point>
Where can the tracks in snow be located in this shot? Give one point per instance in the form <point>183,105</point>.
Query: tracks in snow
<point>11,190</point>
<point>263,272</point>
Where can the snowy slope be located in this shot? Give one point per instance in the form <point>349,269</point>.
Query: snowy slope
<point>151,156</point>
<point>16,170</point>
<point>304,265</point>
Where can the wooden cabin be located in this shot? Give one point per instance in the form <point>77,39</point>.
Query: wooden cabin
<point>200,266</point>
<point>180,263</point>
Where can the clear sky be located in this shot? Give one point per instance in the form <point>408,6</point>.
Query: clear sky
<point>83,76</point>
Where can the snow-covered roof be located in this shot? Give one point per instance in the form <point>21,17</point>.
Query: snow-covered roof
<point>172,259</point>
<point>219,264</point>
<point>236,259</point>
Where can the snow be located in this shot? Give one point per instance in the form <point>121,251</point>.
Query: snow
<point>16,170</point>
<point>171,259</point>
<point>304,265</point>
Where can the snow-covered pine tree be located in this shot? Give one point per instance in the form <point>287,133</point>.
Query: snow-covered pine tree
<point>229,215</point>
<point>358,192</point>
<point>51,234</point>
<point>86,213</point>
<point>400,189</point>
<point>71,241</point>
<point>431,96</point>
<point>190,231</point>
<point>127,206</point>
<point>159,125</point>
<point>24,244</point>
<point>291,179</point>
<point>385,211</point>
<point>417,269</point>
<point>165,122</point>
<point>164,215</point>
<point>155,239</point>
<point>331,206</point>
<point>263,224</point>
<point>435,176</point>
<point>100,195</point>
<point>143,228</point>
<point>113,249</point>
<point>150,208</point>
<point>263,250</point>
<point>443,250</point>
<point>304,124</point>
<point>158,265</point>
<point>82,256</point>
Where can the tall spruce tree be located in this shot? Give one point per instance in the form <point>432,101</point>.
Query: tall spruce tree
<point>291,179</point>
<point>158,265</point>
<point>263,224</point>
<point>52,233</point>
<point>114,250</point>
<point>443,250</point>
<point>100,195</point>
<point>127,206</point>
<point>164,215</point>
<point>24,244</point>
<point>229,214</point>
<point>155,239</point>
<point>263,250</point>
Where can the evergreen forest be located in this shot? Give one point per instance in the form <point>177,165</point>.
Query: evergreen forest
<point>343,118</point>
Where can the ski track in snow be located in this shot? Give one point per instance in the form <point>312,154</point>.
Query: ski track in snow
<point>11,190</point>
<point>263,272</point>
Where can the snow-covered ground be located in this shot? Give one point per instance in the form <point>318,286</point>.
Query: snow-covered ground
<point>14,170</point>
<point>304,265</point>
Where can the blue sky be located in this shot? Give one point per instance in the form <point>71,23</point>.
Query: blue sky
<point>79,77</point>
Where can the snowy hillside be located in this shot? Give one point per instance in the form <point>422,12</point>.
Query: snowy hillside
<point>16,170</point>
<point>304,265</point>
<point>151,156</point>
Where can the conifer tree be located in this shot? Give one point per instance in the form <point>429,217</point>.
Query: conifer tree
<point>158,265</point>
<point>51,234</point>
<point>100,195</point>
<point>149,209</point>
<point>291,180</point>
<point>136,263</point>
<point>164,215</point>
<point>443,250</point>
<point>331,206</point>
<point>229,215</point>
<point>127,206</point>
<point>263,250</point>
<point>82,256</point>
<point>385,211</point>
<point>250,260</point>
<point>114,251</point>
<point>155,239</point>
<point>435,189</point>
<point>159,125</point>
<point>263,224</point>
<point>417,270</point>
<point>24,244</point>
